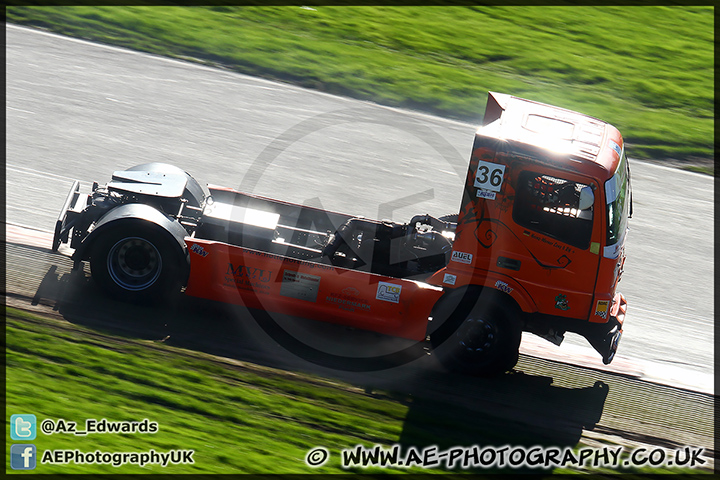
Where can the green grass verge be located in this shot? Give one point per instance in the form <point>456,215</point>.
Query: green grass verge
<point>648,70</point>
<point>237,417</point>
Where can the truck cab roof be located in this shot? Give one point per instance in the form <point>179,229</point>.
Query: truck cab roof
<point>582,141</point>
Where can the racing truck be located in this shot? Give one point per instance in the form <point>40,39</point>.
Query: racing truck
<point>537,245</point>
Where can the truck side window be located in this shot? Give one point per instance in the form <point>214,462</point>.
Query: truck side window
<point>618,207</point>
<point>550,206</point>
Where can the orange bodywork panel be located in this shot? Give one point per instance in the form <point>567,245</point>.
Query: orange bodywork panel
<point>255,279</point>
<point>543,274</point>
<point>512,235</point>
<point>450,277</point>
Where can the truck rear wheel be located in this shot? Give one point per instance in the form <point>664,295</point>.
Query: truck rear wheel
<point>137,262</point>
<point>484,342</point>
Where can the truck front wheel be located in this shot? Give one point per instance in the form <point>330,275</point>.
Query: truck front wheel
<point>484,343</point>
<point>136,263</point>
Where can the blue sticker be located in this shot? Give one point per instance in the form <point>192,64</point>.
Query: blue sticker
<point>615,147</point>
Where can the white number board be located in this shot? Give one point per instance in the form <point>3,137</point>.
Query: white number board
<point>489,176</point>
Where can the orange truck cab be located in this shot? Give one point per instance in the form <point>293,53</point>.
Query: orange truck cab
<point>542,226</point>
<point>538,245</point>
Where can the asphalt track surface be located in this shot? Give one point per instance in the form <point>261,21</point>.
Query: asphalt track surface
<point>77,110</point>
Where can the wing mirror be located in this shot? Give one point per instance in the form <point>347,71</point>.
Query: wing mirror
<point>587,198</point>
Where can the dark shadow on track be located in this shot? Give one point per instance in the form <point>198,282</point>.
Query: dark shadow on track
<point>514,410</point>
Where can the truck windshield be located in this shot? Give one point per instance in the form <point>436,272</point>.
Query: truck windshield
<point>617,197</point>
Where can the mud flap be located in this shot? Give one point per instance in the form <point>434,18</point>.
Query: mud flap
<point>606,343</point>
<point>614,341</point>
<point>63,225</point>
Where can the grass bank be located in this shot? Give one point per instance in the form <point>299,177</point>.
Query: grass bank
<point>647,70</point>
<point>237,417</point>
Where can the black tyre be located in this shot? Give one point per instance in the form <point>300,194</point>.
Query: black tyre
<point>138,262</point>
<point>484,342</point>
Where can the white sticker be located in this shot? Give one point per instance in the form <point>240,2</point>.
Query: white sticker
<point>462,257</point>
<point>300,285</point>
<point>612,251</point>
<point>489,176</point>
<point>449,279</point>
<point>388,292</point>
<point>486,194</point>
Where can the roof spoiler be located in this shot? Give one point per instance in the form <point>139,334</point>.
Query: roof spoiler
<point>496,104</point>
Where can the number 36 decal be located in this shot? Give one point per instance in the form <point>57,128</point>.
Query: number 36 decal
<point>489,176</point>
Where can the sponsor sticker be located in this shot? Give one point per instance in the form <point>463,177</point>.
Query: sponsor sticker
<point>348,299</point>
<point>248,278</point>
<point>199,250</point>
<point>615,147</point>
<point>348,303</point>
<point>449,279</point>
<point>602,307</point>
<point>612,251</point>
<point>485,194</point>
<point>388,292</point>
<point>503,287</point>
<point>561,302</point>
<point>462,257</point>
<point>300,285</point>
<point>351,291</point>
